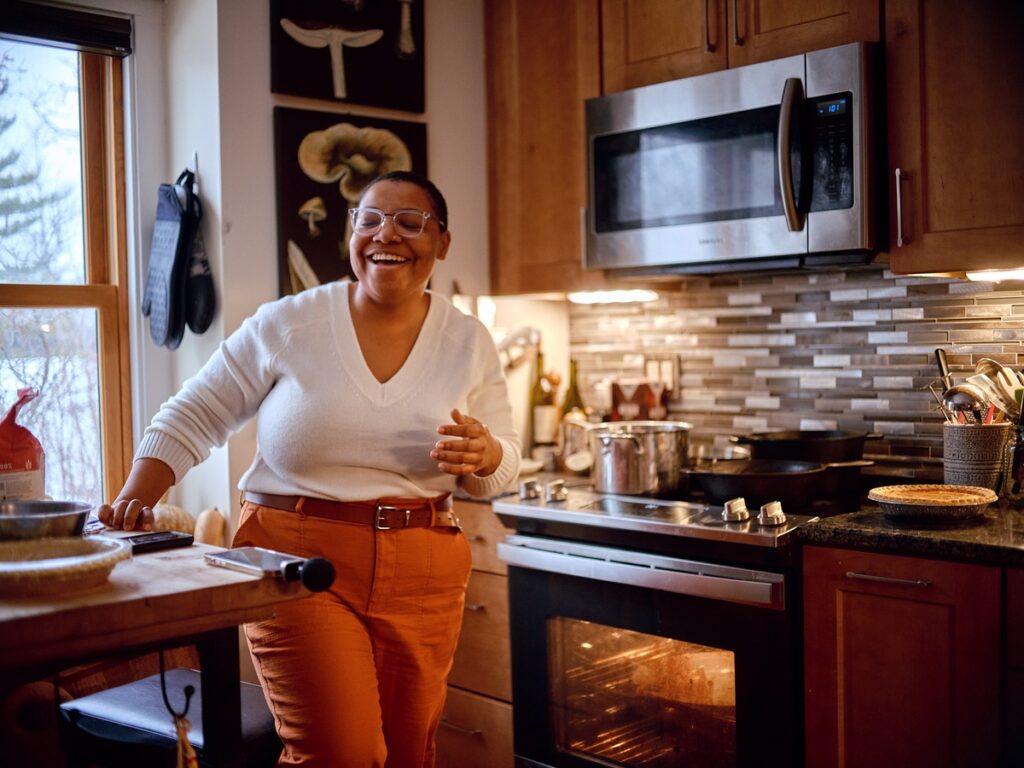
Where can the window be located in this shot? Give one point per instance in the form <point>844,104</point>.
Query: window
<point>63,268</point>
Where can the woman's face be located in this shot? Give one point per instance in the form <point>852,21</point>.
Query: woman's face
<point>392,268</point>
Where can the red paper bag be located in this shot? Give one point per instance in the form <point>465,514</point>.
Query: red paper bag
<point>21,455</point>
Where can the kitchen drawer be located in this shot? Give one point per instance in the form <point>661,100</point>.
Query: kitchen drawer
<point>482,658</point>
<point>475,732</point>
<point>483,530</point>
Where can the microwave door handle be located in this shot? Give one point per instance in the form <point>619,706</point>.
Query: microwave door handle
<point>792,93</point>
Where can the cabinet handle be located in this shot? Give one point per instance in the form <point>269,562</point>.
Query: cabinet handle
<point>901,175</point>
<point>888,579</point>
<point>476,606</point>
<point>476,537</point>
<point>736,39</point>
<point>583,237</point>
<point>708,45</point>
<point>460,729</point>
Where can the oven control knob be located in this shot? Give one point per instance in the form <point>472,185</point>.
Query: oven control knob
<point>556,491</point>
<point>529,489</point>
<point>735,511</point>
<point>771,514</point>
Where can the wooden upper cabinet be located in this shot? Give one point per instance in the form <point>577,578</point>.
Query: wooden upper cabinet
<point>956,129</point>
<point>760,30</point>
<point>651,41</point>
<point>542,64</point>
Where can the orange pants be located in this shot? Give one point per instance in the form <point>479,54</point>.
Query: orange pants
<point>356,676</point>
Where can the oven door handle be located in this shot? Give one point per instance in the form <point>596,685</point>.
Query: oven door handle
<point>638,569</point>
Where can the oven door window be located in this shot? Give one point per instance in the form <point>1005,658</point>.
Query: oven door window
<point>625,698</point>
<point>714,169</point>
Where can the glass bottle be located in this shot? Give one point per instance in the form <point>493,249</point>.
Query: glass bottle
<point>542,405</point>
<point>1013,484</point>
<point>573,400</point>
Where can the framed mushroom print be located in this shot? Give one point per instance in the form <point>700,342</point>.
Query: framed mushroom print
<point>358,51</point>
<point>323,160</point>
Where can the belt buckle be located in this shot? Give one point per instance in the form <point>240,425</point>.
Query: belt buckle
<point>378,522</point>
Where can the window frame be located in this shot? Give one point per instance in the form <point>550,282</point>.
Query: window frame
<point>101,84</point>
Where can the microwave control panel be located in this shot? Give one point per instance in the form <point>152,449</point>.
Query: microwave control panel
<point>831,132</point>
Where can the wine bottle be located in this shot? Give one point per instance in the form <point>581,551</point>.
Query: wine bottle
<point>573,400</point>
<point>542,403</point>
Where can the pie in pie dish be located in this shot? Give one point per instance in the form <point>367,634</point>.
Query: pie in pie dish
<point>932,500</point>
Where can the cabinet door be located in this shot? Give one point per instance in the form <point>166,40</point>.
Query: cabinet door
<point>956,126</point>
<point>651,41</point>
<point>474,732</point>
<point>483,531</point>
<point>760,30</point>
<point>483,658</point>
<point>901,661</point>
<point>542,63</point>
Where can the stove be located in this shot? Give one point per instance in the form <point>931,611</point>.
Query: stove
<point>651,632</point>
<point>693,520</point>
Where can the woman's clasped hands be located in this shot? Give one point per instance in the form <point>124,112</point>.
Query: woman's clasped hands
<point>475,452</point>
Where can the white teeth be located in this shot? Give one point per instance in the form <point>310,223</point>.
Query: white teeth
<point>392,258</point>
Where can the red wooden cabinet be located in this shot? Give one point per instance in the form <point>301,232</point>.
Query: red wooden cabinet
<point>901,661</point>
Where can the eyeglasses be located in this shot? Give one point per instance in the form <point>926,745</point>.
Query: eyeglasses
<point>408,222</point>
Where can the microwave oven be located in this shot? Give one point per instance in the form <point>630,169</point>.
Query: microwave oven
<point>768,165</point>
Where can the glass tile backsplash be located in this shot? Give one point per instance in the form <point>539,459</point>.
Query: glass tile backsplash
<point>852,350</point>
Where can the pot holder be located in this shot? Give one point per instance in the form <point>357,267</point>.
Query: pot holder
<point>179,287</point>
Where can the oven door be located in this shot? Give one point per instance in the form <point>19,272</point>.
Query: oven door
<point>621,658</point>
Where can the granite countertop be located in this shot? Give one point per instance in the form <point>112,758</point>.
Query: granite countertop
<point>994,538</point>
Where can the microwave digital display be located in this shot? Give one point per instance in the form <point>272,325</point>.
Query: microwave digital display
<point>834,107</point>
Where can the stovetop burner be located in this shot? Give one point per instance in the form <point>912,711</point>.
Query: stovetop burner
<point>673,518</point>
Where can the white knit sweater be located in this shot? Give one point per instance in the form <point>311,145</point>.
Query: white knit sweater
<point>327,428</point>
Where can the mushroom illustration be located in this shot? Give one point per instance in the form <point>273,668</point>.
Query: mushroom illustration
<point>333,38</point>
<point>313,211</point>
<point>405,46</point>
<point>352,157</point>
<point>300,273</point>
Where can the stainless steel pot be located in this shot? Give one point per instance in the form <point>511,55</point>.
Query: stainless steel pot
<point>645,457</point>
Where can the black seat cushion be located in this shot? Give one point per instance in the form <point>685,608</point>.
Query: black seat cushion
<point>134,714</point>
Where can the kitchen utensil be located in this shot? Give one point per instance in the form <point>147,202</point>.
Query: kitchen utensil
<point>924,502</point>
<point>58,565</point>
<point>994,393</point>
<point>821,445</point>
<point>944,374</point>
<point>645,457</point>
<point>965,398</point>
<point>38,519</point>
<point>794,483</point>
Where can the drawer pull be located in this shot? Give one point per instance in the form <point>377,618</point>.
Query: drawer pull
<point>476,607</point>
<point>476,537</point>
<point>460,729</point>
<point>888,579</point>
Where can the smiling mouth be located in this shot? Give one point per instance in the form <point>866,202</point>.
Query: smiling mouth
<point>387,258</point>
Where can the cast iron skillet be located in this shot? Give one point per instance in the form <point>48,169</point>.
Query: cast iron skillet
<point>795,483</point>
<point>827,446</point>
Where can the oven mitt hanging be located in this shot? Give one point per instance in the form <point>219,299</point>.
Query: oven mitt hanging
<point>179,287</point>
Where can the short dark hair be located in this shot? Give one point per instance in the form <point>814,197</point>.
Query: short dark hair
<point>421,181</point>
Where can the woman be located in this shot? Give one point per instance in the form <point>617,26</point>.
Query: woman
<point>352,383</point>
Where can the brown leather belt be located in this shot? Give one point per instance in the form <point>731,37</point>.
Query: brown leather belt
<point>382,514</point>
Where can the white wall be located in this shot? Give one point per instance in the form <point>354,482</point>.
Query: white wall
<point>220,105</point>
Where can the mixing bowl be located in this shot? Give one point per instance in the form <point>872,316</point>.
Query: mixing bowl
<point>42,518</point>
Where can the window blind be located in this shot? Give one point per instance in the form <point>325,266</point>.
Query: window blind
<point>65,27</point>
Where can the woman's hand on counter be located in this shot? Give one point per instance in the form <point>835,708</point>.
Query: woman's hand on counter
<point>132,510</point>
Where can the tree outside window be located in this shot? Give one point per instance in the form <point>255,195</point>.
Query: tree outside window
<point>62,327</point>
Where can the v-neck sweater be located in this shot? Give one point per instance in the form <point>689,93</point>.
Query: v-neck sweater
<point>326,426</point>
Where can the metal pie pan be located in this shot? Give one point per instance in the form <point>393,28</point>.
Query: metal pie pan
<point>927,501</point>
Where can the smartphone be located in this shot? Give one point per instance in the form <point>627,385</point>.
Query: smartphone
<point>257,560</point>
<point>153,542</point>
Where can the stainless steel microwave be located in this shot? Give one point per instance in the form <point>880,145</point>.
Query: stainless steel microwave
<point>765,165</point>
